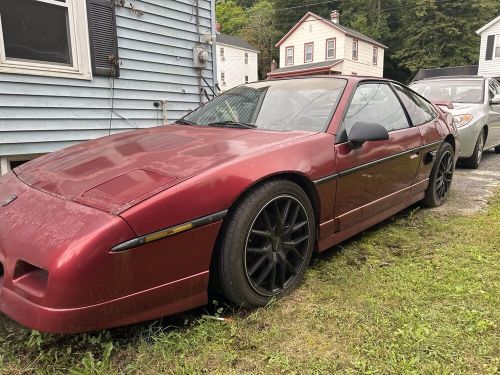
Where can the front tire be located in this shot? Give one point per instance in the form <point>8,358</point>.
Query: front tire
<point>441,177</point>
<point>474,161</point>
<point>267,244</point>
<point>497,150</point>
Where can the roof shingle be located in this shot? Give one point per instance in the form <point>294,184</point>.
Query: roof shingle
<point>234,41</point>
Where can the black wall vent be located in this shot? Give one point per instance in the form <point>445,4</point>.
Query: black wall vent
<point>103,38</point>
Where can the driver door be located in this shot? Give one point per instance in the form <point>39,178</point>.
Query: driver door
<point>493,138</point>
<point>376,178</point>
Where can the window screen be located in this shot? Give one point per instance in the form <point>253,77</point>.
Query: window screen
<point>36,31</point>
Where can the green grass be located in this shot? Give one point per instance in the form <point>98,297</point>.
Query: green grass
<point>415,295</point>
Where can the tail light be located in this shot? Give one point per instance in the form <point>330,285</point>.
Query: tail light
<point>31,279</point>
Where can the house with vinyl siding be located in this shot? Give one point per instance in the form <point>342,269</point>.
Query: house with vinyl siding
<point>316,45</point>
<point>489,55</point>
<point>74,70</point>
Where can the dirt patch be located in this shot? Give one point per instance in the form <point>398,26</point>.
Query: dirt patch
<point>472,188</point>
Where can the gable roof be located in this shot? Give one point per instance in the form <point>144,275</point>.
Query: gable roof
<point>488,25</point>
<point>234,41</point>
<point>322,64</point>
<point>346,30</point>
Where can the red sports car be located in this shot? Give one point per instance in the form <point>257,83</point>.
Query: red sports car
<point>240,193</point>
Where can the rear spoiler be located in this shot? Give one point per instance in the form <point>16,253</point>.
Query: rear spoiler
<point>443,103</point>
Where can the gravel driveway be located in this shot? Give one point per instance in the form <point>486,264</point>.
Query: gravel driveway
<point>472,187</point>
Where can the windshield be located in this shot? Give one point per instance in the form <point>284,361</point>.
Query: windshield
<point>456,91</point>
<point>299,104</point>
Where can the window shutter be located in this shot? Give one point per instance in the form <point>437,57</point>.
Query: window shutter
<point>489,47</point>
<point>103,39</point>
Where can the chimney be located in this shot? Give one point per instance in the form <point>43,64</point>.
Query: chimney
<point>217,27</point>
<point>335,16</point>
<point>274,66</point>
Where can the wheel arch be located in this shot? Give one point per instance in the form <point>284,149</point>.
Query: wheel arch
<point>300,179</point>
<point>486,130</point>
<point>451,140</point>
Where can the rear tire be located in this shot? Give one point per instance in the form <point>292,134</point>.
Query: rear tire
<point>266,245</point>
<point>497,150</point>
<point>474,161</point>
<point>441,177</point>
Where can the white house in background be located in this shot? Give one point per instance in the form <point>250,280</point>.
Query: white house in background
<point>316,45</point>
<point>489,55</point>
<point>237,61</point>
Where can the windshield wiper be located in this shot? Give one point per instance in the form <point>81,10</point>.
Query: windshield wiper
<point>233,124</point>
<point>185,122</point>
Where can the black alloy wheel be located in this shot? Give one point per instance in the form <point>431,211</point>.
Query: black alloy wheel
<point>441,176</point>
<point>474,161</point>
<point>444,175</point>
<point>266,244</point>
<point>277,245</point>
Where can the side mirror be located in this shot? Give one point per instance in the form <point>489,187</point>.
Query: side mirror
<point>495,100</point>
<point>362,132</point>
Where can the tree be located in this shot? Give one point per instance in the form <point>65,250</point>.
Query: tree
<point>438,33</point>
<point>262,34</point>
<point>231,17</point>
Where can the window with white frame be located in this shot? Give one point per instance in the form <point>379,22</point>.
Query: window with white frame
<point>375,55</point>
<point>289,55</point>
<point>44,37</point>
<point>247,79</point>
<point>354,49</point>
<point>330,49</point>
<point>222,53</point>
<point>497,46</point>
<point>223,78</point>
<point>309,53</point>
<point>246,58</point>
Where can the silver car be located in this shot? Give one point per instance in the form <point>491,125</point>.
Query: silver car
<point>476,109</point>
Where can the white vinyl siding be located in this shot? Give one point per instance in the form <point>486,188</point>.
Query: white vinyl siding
<point>490,68</point>
<point>237,65</point>
<point>40,114</point>
<point>322,32</point>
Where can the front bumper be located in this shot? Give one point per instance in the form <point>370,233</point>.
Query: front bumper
<point>87,287</point>
<point>468,136</point>
<point>146,305</point>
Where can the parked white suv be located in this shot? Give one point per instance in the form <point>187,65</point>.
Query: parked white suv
<point>476,109</point>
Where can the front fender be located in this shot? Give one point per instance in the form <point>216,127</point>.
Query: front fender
<point>218,188</point>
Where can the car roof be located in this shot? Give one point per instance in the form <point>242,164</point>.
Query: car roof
<point>355,78</point>
<point>452,78</point>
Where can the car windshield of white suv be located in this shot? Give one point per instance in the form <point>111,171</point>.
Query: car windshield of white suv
<point>456,91</point>
<point>299,104</point>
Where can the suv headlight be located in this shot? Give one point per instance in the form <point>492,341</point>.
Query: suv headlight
<point>462,120</point>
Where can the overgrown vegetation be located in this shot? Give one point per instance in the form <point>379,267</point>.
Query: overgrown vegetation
<point>418,294</point>
<point>419,33</point>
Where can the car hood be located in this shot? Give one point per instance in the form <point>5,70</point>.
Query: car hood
<point>463,108</point>
<point>117,172</point>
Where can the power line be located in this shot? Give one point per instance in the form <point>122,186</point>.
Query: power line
<point>321,20</point>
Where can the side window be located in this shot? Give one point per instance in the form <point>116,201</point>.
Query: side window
<point>497,86</point>
<point>375,102</point>
<point>418,109</point>
<point>492,91</point>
